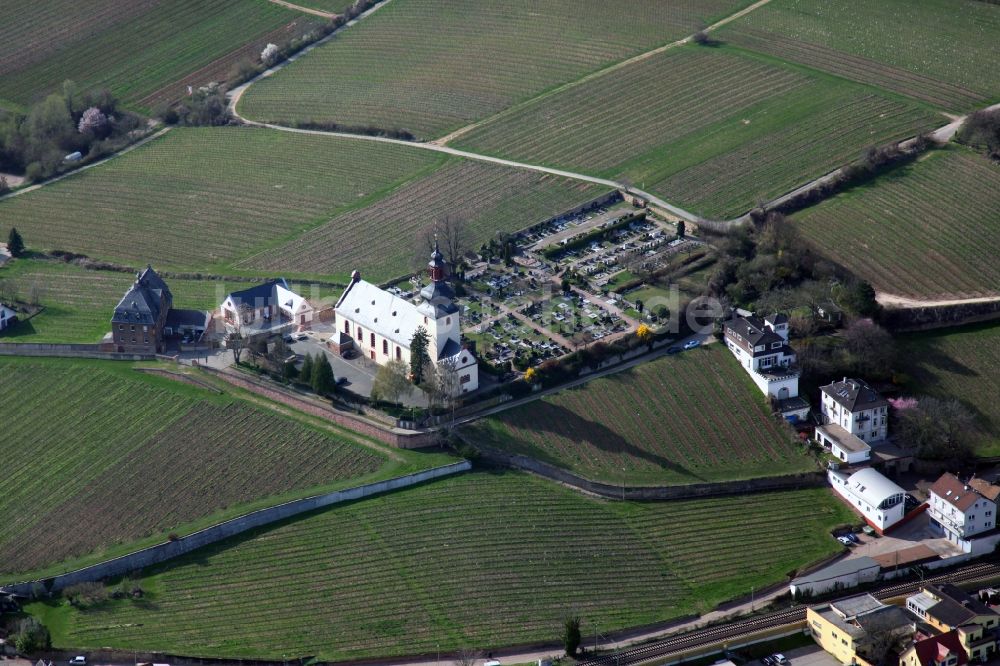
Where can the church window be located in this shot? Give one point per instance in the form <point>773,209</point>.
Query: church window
<point>385,347</point>
<point>347,327</point>
<point>447,321</point>
<point>425,320</point>
<point>399,354</point>
<point>360,334</point>
<point>373,339</point>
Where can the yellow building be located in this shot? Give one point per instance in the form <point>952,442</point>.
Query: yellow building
<point>841,627</point>
<point>948,608</point>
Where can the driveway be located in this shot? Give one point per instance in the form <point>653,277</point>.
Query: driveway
<point>916,532</point>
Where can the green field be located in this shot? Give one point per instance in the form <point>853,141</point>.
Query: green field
<point>489,198</point>
<point>139,49</point>
<point>926,231</point>
<point>203,197</point>
<point>715,130</point>
<point>477,561</point>
<point>932,50</point>
<point>963,364</point>
<point>430,66</point>
<point>683,419</point>
<point>117,456</point>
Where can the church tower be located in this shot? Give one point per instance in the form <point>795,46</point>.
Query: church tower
<point>439,310</point>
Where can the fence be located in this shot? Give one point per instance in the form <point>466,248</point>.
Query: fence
<point>162,552</point>
<point>68,351</point>
<point>653,493</point>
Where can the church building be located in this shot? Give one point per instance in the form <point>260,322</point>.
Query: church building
<point>380,325</point>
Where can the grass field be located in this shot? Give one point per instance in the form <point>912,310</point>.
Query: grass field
<point>963,364</point>
<point>489,198</point>
<point>926,231</point>
<point>715,130</point>
<point>203,197</point>
<point>476,561</point>
<point>135,48</point>
<point>127,456</point>
<point>683,419</point>
<point>931,50</point>
<point>430,66</point>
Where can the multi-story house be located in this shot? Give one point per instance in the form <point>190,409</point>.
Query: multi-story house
<point>857,408</point>
<point>761,345</point>
<point>137,325</point>
<point>963,510</point>
<point>846,628</point>
<point>951,610</point>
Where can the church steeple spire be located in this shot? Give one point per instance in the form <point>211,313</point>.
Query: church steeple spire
<point>437,264</point>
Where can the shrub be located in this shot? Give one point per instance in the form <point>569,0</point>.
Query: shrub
<point>31,636</point>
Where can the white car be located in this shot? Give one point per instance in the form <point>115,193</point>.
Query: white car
<point>78,660</point>
<point>844,540</point>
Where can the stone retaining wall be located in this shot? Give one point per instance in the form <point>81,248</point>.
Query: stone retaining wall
<point>168,550</point>
<point>68,351</point>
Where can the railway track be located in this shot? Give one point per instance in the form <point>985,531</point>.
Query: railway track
<point>743,628</point>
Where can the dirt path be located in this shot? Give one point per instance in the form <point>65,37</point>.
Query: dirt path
<point>300,8</point>
<point>893,300</point>
<point>594,75</point>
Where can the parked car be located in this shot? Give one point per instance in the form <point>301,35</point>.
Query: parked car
<point>78,660</point>
<point>853,537</point>
<point>844,540</point>
<point>780,659</point>
<point>691,344</point>
<point>768,661</point>
<point>301,336</point>
<point>673,350</point>
<point>289,338</point>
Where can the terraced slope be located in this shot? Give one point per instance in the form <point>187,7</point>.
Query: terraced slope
<point>681,419</point>
<point>476,561</point>
<point>931,50</point>
<point>929,231</point>
<point>430,66</point>
<point>128,456</point>
<point>715,130</point>
<point>135,48</point>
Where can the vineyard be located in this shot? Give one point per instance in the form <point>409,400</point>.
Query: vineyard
<point>962,364</point>
<point>430,66</point>
<point>930,50</point>
<point>132,47</point>
<point>476,561</point>
<point>489,198</point>
<point>204,197</point>
<point>129,456</point>
<point>928,231</point>
<point>683,419</point>
<point>738,129</point>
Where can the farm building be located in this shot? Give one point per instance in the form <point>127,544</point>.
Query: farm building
<point>761,345</point>
<point>856,407</point>
<point>381,325</point>
<point>881,502</point>
<point>145,316</point>
<point>7,316</point>
<point>267,307</point>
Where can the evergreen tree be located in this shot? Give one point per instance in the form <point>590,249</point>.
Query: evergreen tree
<point>323,381</point>
<point>15,243</point>
<point>306,373</point>
<point>419,358</point>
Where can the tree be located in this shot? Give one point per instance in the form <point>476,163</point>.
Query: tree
<point>236,343</point>
<point>571,635</point>
<point>531,375</point>
<point>93,122</point>
<point>323,382</point>
<point>938,430</point>
<point>860,298</point>
<point>452,233</point>
<point>270,54</point>
<point>645,334</point>
<point>31,636</point>
<point>391,381</point>
<point>306,371</point>
<point>681,229</point>
<point>419,357</point>
<point>15,244</point>
<point>871,348</point>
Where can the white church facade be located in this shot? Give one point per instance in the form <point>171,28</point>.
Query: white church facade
<point>381,325</point>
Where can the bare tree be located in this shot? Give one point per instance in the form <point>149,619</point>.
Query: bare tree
<point>449,384</point>
<point>466,657</point>
<point>452,234</point>
<point>236,342</point>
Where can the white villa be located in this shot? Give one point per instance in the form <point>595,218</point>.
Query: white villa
<point>761,346</point>
<point>7,316</point>
<point>266,307</point>
<point>881,502</point>
<point>857,408</point>
<point>381,325</point>
<point>963,510</point>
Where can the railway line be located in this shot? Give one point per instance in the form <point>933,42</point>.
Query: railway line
<point>733,631</point>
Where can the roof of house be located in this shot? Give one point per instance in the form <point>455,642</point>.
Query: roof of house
<point>776,318</point>
<point>854,395</point>
<point>937,648</point>
<point>196,318</point>
<point>857,605</point>
<point>951,489</point>
<point>887,618</point>
<point>379,311</point>
<point>872,487</point>
<point>985,488</point>
<point>257,296</point>
<point>958,596</point>
<point>844,439</point>
<point>144,301</point>
<point>906,556</point>
<point>753,331</point>
<point>837,569</point>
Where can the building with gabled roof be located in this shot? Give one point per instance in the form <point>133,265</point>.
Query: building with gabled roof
<point>761,346</point>
<point>880,501</point>
<point>381,325</point>
<point>137,325</point>
<point>845,628</point>
<point>266,307</point>
<point>962,510</point>
<point>7,316</point>
<point>857,408</point>
<point>938,650</point>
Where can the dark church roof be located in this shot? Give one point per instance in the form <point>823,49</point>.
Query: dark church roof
<point>145,300</point>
